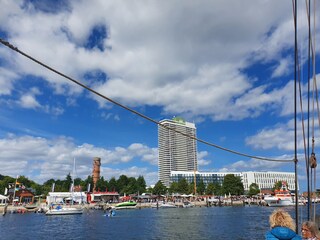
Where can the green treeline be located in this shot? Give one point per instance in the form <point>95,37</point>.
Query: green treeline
<point>122,185</point>
<point>130,185</point>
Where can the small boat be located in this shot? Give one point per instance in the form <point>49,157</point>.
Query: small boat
<point>187,204</point>
<point>282,198</point>
<point>126,205</point>
<point>168,205</point>
<point>63,210</point>
<point>111,213</point>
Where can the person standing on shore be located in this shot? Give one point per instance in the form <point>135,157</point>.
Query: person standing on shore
<point>282,227</point>
<point>309,231</point>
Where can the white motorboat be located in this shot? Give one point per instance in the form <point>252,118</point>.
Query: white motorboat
<point>66,209</point>
<point>187,204</point>
<point>281,198</point>
<point>167,205</point>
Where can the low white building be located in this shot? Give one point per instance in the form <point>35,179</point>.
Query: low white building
<point>265,180</point>
<point>63,197</point>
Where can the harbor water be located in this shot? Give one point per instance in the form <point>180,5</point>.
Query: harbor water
<point>248,222</point>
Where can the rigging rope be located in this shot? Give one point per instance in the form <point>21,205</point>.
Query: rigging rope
<point>311,163</point>
<point>294,5</point>
<point>136,112</point>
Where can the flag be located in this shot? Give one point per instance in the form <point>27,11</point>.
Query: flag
<point>52,188</point>
<point>17,183</point>
<point>6,191</point>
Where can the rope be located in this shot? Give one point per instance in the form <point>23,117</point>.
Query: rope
<point>136,112</point>
<point>294,5</point>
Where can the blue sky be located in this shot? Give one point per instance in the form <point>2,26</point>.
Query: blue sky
<point>227,66</point>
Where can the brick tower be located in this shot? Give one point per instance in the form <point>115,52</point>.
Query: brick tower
<point>96,171</point>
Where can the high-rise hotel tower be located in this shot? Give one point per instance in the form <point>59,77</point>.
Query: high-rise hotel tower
<point>176,151</point>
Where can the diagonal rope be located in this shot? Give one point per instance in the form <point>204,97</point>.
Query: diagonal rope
<point>136,112</point>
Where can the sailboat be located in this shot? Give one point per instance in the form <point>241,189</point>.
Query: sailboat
<point>64,209</point>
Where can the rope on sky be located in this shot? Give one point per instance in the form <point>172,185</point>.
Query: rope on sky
<point>6,43</point>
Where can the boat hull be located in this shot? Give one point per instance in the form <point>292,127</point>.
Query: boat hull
<point>278,202</point>
<point>168,205</point>
<point>64,211</point>
<point>126,205</point>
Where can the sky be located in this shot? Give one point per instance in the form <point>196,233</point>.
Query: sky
<point>227,66</point>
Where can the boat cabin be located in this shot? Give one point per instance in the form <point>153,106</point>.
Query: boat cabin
<point>66,197</point>
<point>107,197</point>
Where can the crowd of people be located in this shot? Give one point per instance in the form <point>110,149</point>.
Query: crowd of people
<point>282,227</point>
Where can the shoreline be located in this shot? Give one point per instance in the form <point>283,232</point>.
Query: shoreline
<point>104,206</point>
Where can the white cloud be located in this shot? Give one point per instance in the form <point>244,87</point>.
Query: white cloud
<point>29,101</point>
<point>7,79</point>
<point>155,54</point>
<point>280,136</point>
<point>110,115</point>
<point>283,68</point>
<point>257,165</point>
<point>41,159</point>
<point>201,159</point>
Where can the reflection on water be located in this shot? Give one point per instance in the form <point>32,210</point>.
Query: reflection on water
<point>176,223</point>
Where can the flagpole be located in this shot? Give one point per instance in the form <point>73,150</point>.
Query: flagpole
<point>14,190</point>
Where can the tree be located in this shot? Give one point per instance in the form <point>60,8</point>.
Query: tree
<point>173,187</point>
<point>141,184</point>
<point>183,186</point>
<point>217,189</point>
<point>131,187</point>
<point>201,187</point>
<point>77,181</point>
<point>159,188</point>
<point>113,185</point>
<point>232,185</point>
<point>278,185</point>
<point>210,189</point>
<point>86,183</point>
<point>4,183</point>
<point>190,188</point>
<point>122,183</point>
<point>101,185</point>
<point>66,184</point>
<point>253,189</point>
<point>150,190</point>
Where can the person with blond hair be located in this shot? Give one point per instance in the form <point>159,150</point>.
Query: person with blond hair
<point>309,231</point>
<point>282,227</point>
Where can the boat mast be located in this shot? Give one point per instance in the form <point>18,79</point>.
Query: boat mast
<point>72,190</point>
<point>295,112</point>
<point>195,182</point>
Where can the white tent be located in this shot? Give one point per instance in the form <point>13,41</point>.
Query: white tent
<point>60,197</point>
<point>3,199</point>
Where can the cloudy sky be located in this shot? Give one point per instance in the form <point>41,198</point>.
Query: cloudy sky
<point>227,66</point>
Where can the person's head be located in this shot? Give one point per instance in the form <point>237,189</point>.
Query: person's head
<point>280,218</point>
<point>309,230</point>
